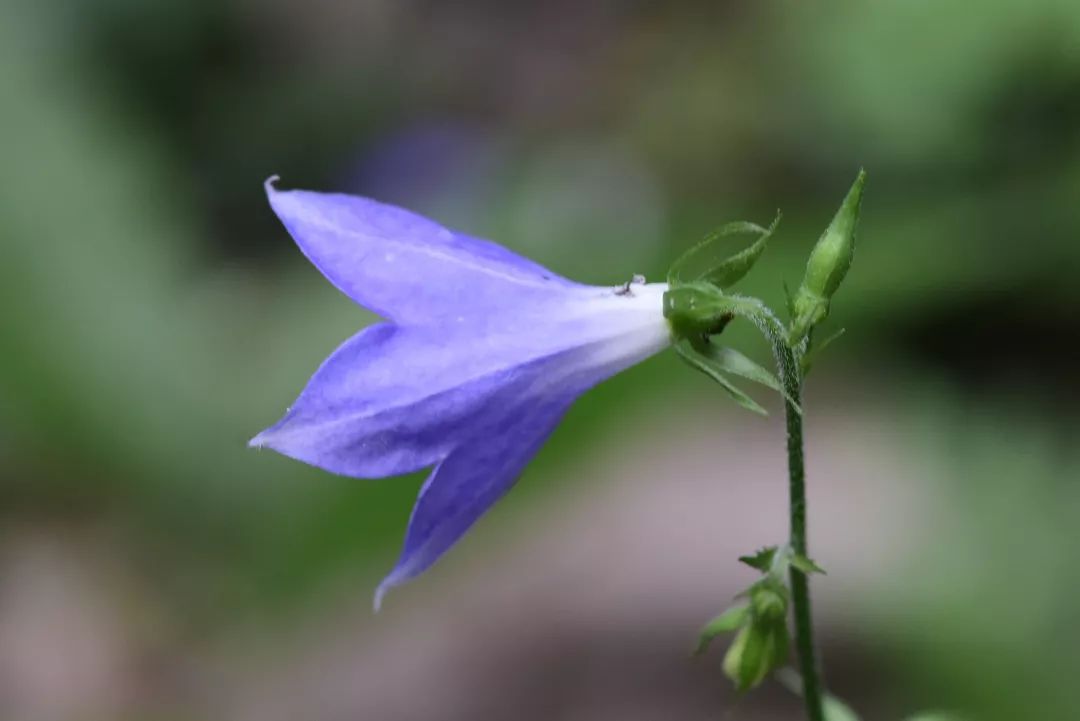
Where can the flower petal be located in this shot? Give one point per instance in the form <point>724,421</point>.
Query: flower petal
<point>403,266</point>
<point>393,400</point>
<point>388,401</point>
<point>470,480</point>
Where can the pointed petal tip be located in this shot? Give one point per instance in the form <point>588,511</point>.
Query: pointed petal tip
<point>268,184</point>
<point>380,592</point>
<point>399,575</point>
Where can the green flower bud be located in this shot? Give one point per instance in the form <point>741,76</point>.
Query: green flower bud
<point>831,257</point>
<point>757,650</point>
<point>769,604</point>
<point>828,264</point>
<point>734,658</point>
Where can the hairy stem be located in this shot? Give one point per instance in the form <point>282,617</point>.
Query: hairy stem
<point>789,365</point>
<point>800,585</point>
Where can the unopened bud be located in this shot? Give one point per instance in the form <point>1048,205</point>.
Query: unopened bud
<point>828,264</point>
<point>759,648</point>
<point>769,604</point>
<point>734,662</point>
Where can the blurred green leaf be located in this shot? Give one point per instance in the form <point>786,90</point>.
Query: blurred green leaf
<point>837,710</point>
<point>805,564</point>
<point>762,560</point>
<point>833,708</point>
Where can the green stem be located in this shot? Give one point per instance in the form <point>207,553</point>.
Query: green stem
<point>789,365</point>
<point>800,585</point>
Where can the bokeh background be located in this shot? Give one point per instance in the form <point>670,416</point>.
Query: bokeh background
<point>154,316</point>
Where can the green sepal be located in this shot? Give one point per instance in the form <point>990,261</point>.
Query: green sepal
<point>701,363</point>
<point>732,361</point>
<point>816,348</point>
<point>805,564</point>
<point>789,300</point>
<point>762,560</point>
<point>736,363</point>
<point>730,620</point>
<point>732,269</point>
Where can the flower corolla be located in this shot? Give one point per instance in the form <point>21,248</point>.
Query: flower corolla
<point>481,353</point>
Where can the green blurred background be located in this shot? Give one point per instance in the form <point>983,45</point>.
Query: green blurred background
<point>155,316</point>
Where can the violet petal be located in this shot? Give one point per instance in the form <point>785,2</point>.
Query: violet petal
<point>401,265</point>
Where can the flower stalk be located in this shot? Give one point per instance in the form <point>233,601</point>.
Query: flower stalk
<point>789,367</point>
<point>791,377</point>
<point>698,310</point>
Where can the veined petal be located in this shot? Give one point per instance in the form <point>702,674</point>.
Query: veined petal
<point>403,266</point>
<point>357,416</point>
<point>485,353</point>
<point>470,480</point>
<point>392,400</point>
